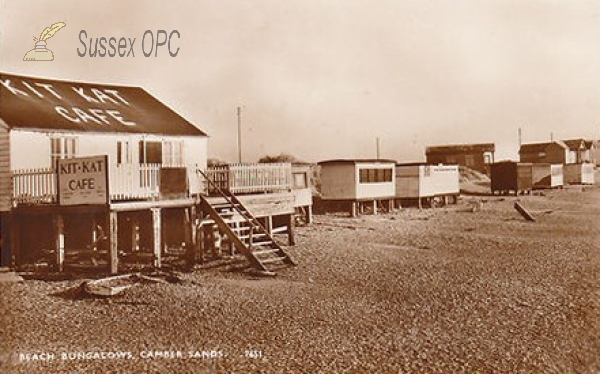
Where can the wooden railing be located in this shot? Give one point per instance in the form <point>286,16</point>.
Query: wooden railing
<point>142,182</point>
<point>249,178</point>
<point>127,182</point>
<point>34,186</point>
<point>134,181</point>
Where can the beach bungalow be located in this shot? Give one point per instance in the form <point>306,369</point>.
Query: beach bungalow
<point>582,151</point>
<point>423,182</point>
<point>473,156</point>
<point>358,183</point>
<point>108,175</point>
<point>547,175</point>
<point>554,152</point>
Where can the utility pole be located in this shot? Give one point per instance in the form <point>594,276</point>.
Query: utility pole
<point>520,137</point>
<point>239,116</point>
<point>378,147</point>
<point>551,136</point>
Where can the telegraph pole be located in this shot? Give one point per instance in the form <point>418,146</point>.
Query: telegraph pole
<point>378,147</point>
<point>239,117</point>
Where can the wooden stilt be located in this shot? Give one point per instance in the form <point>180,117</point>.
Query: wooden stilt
<point>309,213</point>
<point>59,242</point>
<point>15,240</point>
<point>291,224</point>
<point>157,237</point>
<point>113,242</point>
<point>5,239</point>
<point>269,224</point>
<point>375,207</point>
<point>353,208</point>
<point>420,204</point>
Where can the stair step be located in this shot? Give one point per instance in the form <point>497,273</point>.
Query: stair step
<point>265,252</point>
<point>272,260</point>
<point>263,243</point>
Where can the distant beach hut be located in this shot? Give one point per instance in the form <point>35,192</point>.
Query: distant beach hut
<point>424,182</point>
<point>473,156</point>
<point>579,174</point>
<point>510,176</point>
<point>358,183</point>
<point>547,175</point>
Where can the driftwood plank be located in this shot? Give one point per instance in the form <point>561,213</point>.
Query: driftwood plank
<point>524,212</point>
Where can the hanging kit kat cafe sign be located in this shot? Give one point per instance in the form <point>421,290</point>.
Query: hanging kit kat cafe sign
<point>83,181</point>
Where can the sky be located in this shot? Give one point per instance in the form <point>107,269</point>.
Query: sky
<point>322,79</point>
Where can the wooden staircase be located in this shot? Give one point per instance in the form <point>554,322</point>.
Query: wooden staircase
<point>244,230</point>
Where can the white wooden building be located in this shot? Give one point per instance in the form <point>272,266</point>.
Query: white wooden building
<point>153,182</point>
<point>358,182</point>
<point>420,181</point>
<point>547,175</point>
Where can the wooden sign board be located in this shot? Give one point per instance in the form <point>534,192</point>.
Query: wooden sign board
<point>83,181</point>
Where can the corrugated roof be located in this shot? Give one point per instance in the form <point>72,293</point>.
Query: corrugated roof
<point>540,147</point>
<point>356,161</point>
<point>460,148</point>
<point>48,104</point>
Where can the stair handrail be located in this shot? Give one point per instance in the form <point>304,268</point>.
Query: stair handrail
<point>228,199</point>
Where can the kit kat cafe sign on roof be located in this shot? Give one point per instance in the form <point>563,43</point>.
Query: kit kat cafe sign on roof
<point>29,102</point>
<point>83,181</point>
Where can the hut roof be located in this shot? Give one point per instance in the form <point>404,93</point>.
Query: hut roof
<point>460,148</point>
<point>356,161</point>
<point>540,147</point>
<point>58,105</point>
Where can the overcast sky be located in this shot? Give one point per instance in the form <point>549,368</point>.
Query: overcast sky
<point>322,79</point>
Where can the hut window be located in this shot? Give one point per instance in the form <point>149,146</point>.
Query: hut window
<point>470,160</point>
<point>62,147</point>
<point>375,175</point>
<point>150,152</point>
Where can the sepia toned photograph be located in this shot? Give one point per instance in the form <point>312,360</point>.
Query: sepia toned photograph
<point>299,186</point>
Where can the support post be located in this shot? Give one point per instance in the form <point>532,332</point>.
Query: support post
<point>15,240</point>
<point>269,224</point>
<point>156,237</point>
<point>309,214</point>
<point>353,209</point>
<point>113,243</point>
<point>59,242</point>
<point>291,224</point>
<point>374,207</point>
<point>5,240</point>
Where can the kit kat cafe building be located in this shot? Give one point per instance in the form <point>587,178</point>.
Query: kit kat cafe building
<point>79,161</point>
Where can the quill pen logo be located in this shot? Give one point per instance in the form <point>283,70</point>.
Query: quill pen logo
<point>40,52</point>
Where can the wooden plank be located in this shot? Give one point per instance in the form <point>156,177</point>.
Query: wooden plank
<point>264,205</point>
<point>524,212</point>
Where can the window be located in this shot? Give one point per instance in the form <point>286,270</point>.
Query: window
<point>300,180</point>
<point>124,152</point>
<point>374,175</point>
<point>150,152</point>
<point>173,152</point>
<point>470,160</point>
<point>62,147</point>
